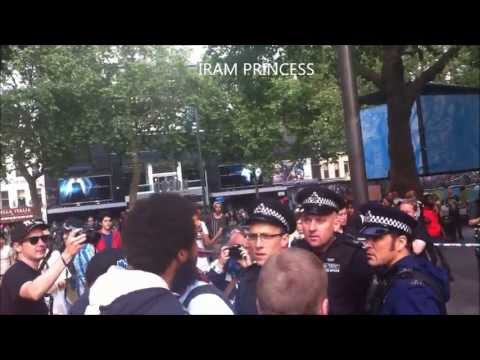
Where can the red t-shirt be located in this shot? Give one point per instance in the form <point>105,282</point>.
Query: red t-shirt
<point>432,223</point>
<point>116,242</point>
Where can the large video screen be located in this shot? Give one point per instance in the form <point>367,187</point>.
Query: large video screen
<point>375,141</point>
<point>84,189</point>
<point>451,126</point>
<point>237,175</point>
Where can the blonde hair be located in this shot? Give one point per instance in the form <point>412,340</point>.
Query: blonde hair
<point>292,282</point>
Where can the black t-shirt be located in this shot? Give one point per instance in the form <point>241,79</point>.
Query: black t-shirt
<point>12,303</point>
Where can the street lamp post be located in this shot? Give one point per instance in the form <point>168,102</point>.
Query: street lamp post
<point>352,125</point>
<point>201,164</point>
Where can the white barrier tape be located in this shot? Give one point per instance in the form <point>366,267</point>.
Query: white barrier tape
<point>457,244</point>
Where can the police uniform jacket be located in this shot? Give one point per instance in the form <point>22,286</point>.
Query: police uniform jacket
<point>246,298</point>
<point>349,275</point>
<point>412,286</point>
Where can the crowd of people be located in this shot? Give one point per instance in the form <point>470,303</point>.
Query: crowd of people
<point>325,257</point>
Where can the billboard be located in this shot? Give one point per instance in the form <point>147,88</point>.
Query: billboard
<point>84,189</point>
<point>237,175</point>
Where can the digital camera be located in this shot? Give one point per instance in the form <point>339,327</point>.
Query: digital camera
<point>92,233</point>
<point>235,252</point>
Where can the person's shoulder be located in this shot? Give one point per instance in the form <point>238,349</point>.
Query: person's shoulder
<point>406,282</point>
<point>148,301</point>
<point>18,274</point>
<point>413,294</point>
<point>347,244</point>
<point>11,270</point>
<point>250,272</point>
<point>19,266</point>
<point>209,304</point>
<point>301,244</point>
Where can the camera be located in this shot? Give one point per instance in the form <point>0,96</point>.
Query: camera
<point>235,252</point>
<point>91,231</point>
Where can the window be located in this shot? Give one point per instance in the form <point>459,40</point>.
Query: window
<point>346,168</point>
<point>21,198</point>
<point>4,203</point>
<point>337,172</point>
<point>164,166</point>
<point>325,172</point>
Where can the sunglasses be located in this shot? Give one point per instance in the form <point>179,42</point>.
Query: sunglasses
<point>34,239</point>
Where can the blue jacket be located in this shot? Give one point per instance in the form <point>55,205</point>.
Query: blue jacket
<point>407,295</point>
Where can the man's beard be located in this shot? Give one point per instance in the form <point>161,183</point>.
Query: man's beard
<point>186,275</point>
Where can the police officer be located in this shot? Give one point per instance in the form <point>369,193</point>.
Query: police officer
<point>269,226</point>
<point>345,262</point>
<point>409,284</point>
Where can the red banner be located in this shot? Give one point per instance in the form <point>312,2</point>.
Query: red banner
<point>17,214</point>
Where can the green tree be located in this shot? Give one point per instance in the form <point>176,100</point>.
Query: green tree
<point>281,117</point>
<point>400,73</point>
<point>148,93</point>
<point>47,96</point>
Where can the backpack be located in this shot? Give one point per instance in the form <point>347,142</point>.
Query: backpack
<point>206,289</point>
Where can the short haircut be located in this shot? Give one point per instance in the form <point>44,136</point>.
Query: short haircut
<point>103,215</point>
<point>395,236</point>
<point>156,229</point>
<point>292,282</point>
<point>411,202</point>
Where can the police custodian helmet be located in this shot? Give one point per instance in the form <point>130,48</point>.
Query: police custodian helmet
<point>317,200</point>
<point>378,220</point>
<point>275,213</point>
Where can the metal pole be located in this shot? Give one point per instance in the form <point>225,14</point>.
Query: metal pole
<point>352,125</point>
<point>201,165</point>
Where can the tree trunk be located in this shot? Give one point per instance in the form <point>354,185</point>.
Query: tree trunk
<point>32,187</point>
<point>136,170</point>
<point>403,172</point>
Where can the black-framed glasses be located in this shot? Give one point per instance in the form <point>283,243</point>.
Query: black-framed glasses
<point>261,236</point>
<point>34,239</point>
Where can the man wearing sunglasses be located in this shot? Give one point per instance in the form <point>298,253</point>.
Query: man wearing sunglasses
<point>269,227</point>
<point>345,262</point>
<point>24,286</point>
<point>410,285</point>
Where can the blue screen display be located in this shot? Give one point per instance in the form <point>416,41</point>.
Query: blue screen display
<point>451,126</point>
<point>375,141</point>
<point>84,189</point>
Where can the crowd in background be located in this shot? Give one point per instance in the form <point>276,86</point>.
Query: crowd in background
<point>222,273</point>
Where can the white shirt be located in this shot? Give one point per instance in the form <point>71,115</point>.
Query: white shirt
<point>205,304</point>
<point>59,304</point>
<point>5,255</point>
<point>118,281</point>
<point>202,262</point>
<point>200,244</point>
